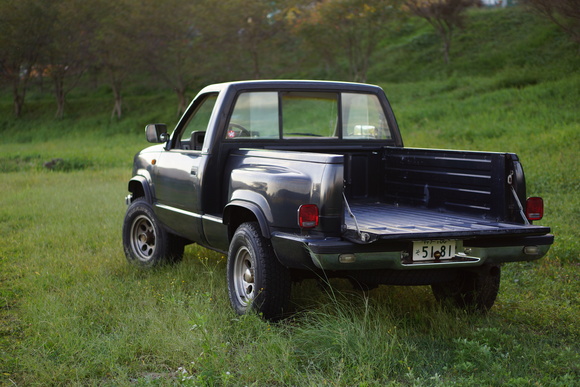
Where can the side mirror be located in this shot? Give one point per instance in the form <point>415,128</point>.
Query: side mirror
<point>156,133</point>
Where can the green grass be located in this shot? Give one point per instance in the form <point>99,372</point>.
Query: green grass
<point>73,312</point>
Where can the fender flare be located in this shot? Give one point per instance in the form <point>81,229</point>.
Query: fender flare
<point>139,186</point>
<point>251,207</point>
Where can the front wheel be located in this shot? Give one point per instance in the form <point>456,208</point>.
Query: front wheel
<point>472,290</point>
<point>145,240</point>
<point>256,279</point>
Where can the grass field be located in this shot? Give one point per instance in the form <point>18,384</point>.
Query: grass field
<point>75,313</point>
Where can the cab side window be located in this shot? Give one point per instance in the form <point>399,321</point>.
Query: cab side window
<point>193,134</point>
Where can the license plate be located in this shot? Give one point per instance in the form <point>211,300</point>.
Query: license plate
<point>437,249</point>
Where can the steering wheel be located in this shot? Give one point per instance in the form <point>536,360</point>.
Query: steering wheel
<point>240,132</point>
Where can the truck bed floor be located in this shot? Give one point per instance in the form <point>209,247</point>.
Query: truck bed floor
<point>390,221</point>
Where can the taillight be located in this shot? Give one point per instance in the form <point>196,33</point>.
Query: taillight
<point>534,208</point>
<point>308,216</point>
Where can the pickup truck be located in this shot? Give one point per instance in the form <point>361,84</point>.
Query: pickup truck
<point>302,179</point>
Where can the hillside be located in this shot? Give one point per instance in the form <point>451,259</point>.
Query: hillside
<point>493,41</point>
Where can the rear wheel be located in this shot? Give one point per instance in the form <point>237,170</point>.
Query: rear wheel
<point>145,240</point>
<point>472,290</point>
<point>256,279</point>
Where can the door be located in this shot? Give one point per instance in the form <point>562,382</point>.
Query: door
<point>176,174</point>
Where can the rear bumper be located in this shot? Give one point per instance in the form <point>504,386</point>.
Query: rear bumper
<point>337,254</point>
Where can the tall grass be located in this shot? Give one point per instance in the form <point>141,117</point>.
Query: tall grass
<point>73,312</point>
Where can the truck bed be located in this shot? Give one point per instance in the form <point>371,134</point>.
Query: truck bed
<point>387,221</point>
<point>419,194</point>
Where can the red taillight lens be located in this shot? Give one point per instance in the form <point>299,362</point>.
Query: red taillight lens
<point>308,216</point>
<point>534,208</point>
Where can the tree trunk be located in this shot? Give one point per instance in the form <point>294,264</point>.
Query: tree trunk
<point>60,96</point>
<point>19,86</point>
<point>256,62</point>
<point>445,31</point>
<point>18,105</point>
<point>18,96</point>
<point>181,100</point>
<point>446,49</point>
<point>118,107</point>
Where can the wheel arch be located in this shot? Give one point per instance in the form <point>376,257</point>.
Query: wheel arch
<point>140,188</point>
<point>238,212</point>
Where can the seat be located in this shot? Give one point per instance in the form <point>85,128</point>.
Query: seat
<point>196,141</point>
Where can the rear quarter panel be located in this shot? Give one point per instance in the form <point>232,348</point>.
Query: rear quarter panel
<point>279,182</point>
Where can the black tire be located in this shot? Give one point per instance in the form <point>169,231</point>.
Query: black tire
<point>471,290</point>
<point>146,242</point>
<point>256,279</point>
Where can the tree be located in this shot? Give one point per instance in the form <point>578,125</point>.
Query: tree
<point>259,27</point>
<point>250,40</point>
<point>168,39</point>
<point>23,36</point>
<point>350,29</point>
<point>113,47</point>
<point>68,51</point>
<point>306,26</point>
<point>444,15</point>
<point>564,13</point>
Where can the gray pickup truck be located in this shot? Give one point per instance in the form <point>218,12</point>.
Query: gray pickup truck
<point>298,179</point>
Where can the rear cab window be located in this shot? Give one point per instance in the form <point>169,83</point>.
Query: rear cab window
<point>295,115</point>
